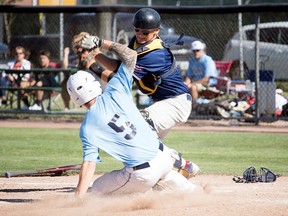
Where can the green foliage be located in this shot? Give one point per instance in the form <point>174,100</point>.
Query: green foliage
<point>283,85</point>
<point>227,153</point>
<point>19,26</point>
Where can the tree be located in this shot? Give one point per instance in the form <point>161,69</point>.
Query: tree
<point>7,19</point>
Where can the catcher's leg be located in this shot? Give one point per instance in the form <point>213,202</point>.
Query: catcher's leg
<point>145,115</point>
<point>187,168</point>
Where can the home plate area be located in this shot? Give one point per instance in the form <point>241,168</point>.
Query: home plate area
<point>54,195</point>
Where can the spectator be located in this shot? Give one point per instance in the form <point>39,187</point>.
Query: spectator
<point>201,67</point>
<point>19,63</point>
<point>51,79</point>
<point>114,124</point>
<point>48,79</point>
<point>155,74</point>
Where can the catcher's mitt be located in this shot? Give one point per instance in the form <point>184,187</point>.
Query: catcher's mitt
<point>76,43</point>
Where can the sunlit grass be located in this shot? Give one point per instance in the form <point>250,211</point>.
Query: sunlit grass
<point>24,149</point>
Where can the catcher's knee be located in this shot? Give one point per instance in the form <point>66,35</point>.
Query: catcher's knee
<point>145,115</point>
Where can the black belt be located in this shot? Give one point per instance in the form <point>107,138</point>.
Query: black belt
<point>146,164</point>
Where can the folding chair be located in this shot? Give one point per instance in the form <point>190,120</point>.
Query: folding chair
<point>223,80</point>
<point>222,85</point>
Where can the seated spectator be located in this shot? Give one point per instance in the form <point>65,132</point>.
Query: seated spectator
<point>51,79</point>
<point>19,63</point>
<point>201,67</point>
<point>45,80</point>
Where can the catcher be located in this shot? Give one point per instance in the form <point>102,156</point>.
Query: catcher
<point>114,124</point>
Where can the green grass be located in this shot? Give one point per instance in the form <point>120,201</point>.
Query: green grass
<point>227,153</point>
<point>232,152</point>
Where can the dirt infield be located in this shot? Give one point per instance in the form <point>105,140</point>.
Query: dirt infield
<point>47,195</point>
<point>36,196</point>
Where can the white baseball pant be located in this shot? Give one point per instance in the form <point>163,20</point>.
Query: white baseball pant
<point>170,112</point>
<point>131,180</point>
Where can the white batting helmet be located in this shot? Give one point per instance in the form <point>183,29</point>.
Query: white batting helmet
<point>83,87</point>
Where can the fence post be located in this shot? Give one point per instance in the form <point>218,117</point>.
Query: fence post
<point>257,68</point>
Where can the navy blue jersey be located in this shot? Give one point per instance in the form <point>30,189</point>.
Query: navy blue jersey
<point>156,60</point>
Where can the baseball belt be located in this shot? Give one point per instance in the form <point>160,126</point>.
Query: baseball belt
<point>146,164</point>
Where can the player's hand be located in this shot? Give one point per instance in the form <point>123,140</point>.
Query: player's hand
<point>90,42</point>
<point>66,51</point>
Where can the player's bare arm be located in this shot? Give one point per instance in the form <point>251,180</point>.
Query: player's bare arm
<point>108,63</point>
<point>125,54</point>
<point>85,177</point>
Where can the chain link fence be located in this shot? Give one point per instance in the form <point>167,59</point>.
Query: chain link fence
<point>219,31</point>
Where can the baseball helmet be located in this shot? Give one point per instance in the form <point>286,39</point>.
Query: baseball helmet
<point>146,18</point>
<point>83,87</point>
<point>250,174</point>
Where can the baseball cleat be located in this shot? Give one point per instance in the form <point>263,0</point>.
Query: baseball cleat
<point>190,170</point>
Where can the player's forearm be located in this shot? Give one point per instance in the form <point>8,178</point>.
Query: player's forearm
<point>110,65</point>
<point>106,62</point>
<point>125,54</point>
<point>85,176</point>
